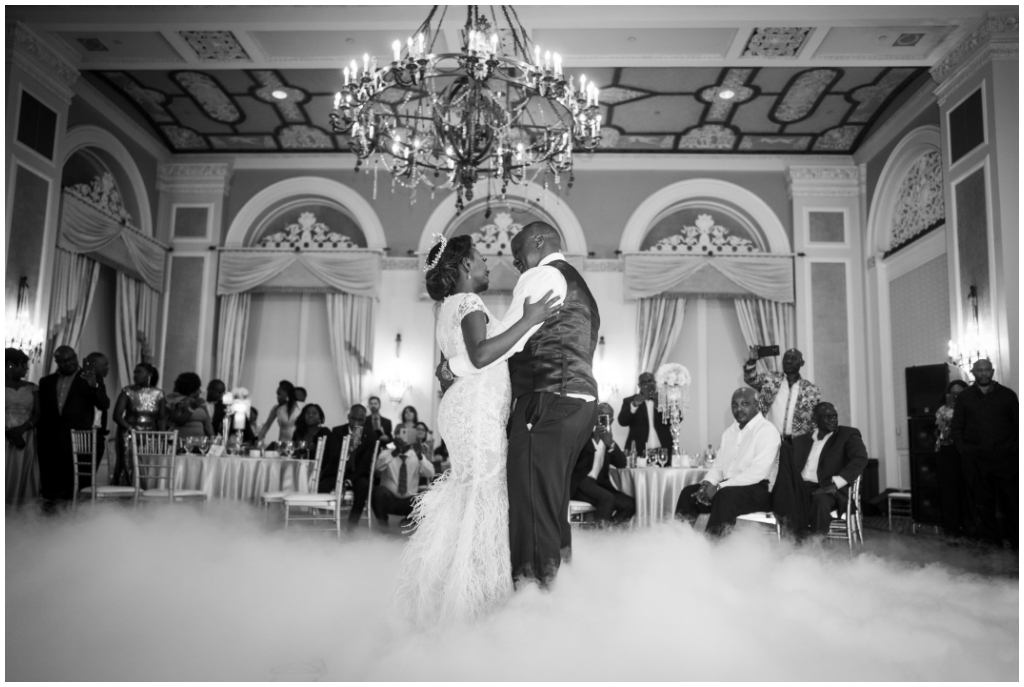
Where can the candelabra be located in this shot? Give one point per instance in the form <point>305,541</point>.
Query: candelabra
<point>19,332</point>
<point>673,382</point>
<point>972,347</point>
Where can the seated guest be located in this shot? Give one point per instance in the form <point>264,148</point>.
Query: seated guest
<point>744,469</point>
<point>785,398</point>
<point>215,391</point>
<point>441,462</point>
<point>300,394</point>
<point>589,481</point>
<point>827,462</point>
<point>186,408</point>
<point>400,471</point>
<point>647,427</point>
<point>309,428</point>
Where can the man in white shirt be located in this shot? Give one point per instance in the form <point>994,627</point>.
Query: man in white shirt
<point>554,401</point>
<point>590,481</point>
<point>744,469</point>
<point>400,471</point>
<point>647,426</point>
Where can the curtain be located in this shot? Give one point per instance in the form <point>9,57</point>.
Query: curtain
<point>659,321</point>
<point>350,325</point>
<point>355,272</point>
<point>134,324</point>
<point>233,327</point>
<point>766,323</point>
<point>74,284</point>
<point>649,275</point>
<point>85,229</point>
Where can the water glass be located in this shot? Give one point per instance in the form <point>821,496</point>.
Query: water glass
<point>663,457</point>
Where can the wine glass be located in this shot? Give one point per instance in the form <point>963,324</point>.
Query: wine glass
<point>300,448</point>
<point>204,445</point>
<point>285,447</point>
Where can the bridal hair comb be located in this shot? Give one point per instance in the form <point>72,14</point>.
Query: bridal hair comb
<point>438,239</point>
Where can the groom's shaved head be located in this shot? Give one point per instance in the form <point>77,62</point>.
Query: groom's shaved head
<point>533,243</point>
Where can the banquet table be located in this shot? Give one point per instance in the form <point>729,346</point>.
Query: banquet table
<point>655,490</point>
<point>237,478</point>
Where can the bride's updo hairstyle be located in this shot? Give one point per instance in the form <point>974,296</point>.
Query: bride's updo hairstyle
<point>442,278</point>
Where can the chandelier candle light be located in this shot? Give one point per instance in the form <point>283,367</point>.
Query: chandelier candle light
<point>451,119</point>
<point>673,382</point>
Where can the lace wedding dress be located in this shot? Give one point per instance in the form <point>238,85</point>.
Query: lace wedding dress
<point>456,565</point>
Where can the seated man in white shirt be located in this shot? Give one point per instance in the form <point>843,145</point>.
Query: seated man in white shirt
<point>744,469</point>
<point>400,471</point>
<point>590,482</point>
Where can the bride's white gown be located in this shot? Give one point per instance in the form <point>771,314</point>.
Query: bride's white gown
<point>456,565</point>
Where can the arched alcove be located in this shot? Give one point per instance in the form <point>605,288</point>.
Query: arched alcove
<point>739,203</point>
<point>305,189</point>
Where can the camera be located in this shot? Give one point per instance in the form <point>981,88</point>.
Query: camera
<point>604,421</point>
<point>767,351</point>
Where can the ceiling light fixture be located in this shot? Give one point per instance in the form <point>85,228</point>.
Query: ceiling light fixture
<point>727,94</point>
<point>449,120</point>
<point>280,95</point>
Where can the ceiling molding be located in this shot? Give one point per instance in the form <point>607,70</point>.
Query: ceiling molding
<point>199,178</point>
<point>965,71</point>
<point>985,32</point>
<point>821,181</point>
<point>117,117</point>
<point>45,64</point>
<point>882,136</point>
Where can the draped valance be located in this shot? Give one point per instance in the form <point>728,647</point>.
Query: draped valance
<point>355,271</point>
<point>763,276</point>
<point>85,229</point>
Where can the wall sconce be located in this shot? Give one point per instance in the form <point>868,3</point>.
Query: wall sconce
<point>398,345</point>
<point>19,332</point>
<point>396,386</point>
<point>605,389</point>
<point>971,347</point>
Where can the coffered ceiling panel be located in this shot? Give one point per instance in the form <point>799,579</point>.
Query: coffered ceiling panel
<point>882,42</point>
<point>693,43</point>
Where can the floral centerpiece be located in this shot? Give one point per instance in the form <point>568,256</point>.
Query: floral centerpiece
<point>673,382</point>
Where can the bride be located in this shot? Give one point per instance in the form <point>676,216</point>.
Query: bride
<point>456,566</point>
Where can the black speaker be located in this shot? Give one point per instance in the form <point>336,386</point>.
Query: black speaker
<point>925,505</point>
<point>921,437</point>
<point>926,389</point>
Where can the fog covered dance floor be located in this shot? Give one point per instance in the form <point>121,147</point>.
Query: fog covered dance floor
<point>173,594</point>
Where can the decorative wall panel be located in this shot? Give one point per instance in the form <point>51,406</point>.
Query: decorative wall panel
<point>831,335</point>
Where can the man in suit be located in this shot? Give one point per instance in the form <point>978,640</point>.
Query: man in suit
<point>68,399</point>
<point>215,391</point>
<point>380,424</point>
<point>824,464</point>
<point>785,398</point>
<point>99,364</point>
<point>744,470</point>
<point>554,401</point>
<point>590,482</point>
<point>360,455</point>
<point>647,426</point>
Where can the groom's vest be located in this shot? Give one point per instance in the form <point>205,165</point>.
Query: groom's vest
<point>559,356</point>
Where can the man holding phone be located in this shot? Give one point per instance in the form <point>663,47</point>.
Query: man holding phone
<point>785,398</point>
<point>647,427</point>
<point>589,481</point>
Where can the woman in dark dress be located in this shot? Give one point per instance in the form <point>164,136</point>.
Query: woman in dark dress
<point>310,427</point>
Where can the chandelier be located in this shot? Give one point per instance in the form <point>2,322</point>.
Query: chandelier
<point>19,332</point>
<point>449,120</point>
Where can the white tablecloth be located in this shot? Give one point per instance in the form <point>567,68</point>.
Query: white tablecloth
<point>238,478</point>
<point>656,490</point>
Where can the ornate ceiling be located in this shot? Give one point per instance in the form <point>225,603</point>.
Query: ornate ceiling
<point>803,80</point>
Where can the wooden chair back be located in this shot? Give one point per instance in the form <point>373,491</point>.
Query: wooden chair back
<point>83,448</point>
<point>369,494</point>
<point>153,458</point>
<point>318,461</point>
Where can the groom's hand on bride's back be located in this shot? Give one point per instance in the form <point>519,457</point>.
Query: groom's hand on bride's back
<point>444,375</point>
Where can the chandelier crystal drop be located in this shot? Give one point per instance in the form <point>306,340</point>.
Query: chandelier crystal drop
<point>450,120</point>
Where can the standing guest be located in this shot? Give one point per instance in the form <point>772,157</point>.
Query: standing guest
<point>647,426</point>
<point>824,464</point>
<point>101,366</point>
<point>21,415</point>
<point>286,412</point>
<point>139,406</point>
<point>186,408</point>
<point>310,427</point>
<point>785,398</point>
<point>590,482</point>
<point>380,424</point>
<point>68,399</point>
<point>744,470</point>
<point>956,519</point>
<point>985,432</point>
<point>400,472</point>
<point>406,429</point>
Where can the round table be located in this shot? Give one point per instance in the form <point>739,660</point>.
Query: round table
<point>655,490</point>
<point>237,478</point>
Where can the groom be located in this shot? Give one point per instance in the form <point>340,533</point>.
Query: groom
<point>554,402</point>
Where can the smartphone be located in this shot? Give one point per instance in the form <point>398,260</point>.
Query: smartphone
<point>604,421</point>
<point>767,351</point>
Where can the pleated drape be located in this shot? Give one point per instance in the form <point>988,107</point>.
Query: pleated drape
<point>350,325</point>
<point>659,321</point>
<point>233,327</point>
<point>766,323</point>
<point>74,284</point>
<point>135,325</point>
<point>653,274</point>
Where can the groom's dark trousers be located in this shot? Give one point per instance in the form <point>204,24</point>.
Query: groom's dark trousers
<point>541,458</point>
